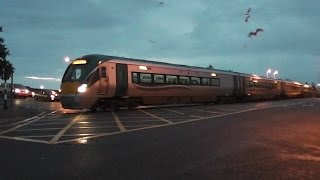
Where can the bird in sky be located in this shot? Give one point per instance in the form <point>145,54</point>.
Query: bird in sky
<point>256,32</point>
<point>1,29</point>
<point>152,42</point>
<point>248,12</point>
<point>247,15</point>
<point>160,3</point>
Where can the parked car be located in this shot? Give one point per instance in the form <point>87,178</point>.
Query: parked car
<point>46,95</point>
<point>18,90</point>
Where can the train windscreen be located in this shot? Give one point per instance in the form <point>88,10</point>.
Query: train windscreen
<point>78,71</point>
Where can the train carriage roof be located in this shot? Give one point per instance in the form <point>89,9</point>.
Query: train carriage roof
<point>98,57</point>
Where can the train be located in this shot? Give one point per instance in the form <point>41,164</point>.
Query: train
<point>100,81</point>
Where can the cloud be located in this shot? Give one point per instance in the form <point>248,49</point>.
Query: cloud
<point>41,33</point>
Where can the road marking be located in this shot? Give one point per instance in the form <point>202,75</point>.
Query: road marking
<point>196,116</point>
<point>43,129</point>
<point>24,139</point>
<point>88,127</point>
<point>22,121</point>
<point>155,116</point>
<point>64,130</point>
<point>174,111</point>
<point>157,126</point>
<point>138,121</point>
<point>116,118</point>
<point>29,122</point>
<point>207,111</point>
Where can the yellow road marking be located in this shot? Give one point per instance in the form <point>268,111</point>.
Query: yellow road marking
<point>155,116</point>
<point>64,130</point>
<point>116,118</point>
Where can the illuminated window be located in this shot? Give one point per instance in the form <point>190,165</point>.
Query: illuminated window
<point>103,72</point>
<point>171,79</point>
<point>195,81</point>
<point>158,78</point>
<point>183,80</point>
<point>205,81</point>
<point>145,78</point>
<point>135,78</point>
<point>215,82</point>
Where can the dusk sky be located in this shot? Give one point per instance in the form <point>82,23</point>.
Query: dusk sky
<point>40,33</point>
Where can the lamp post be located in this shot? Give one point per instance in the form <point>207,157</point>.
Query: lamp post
<point>67,59</point>
<point>274,74</point>
<point>5,86</point>
<point>269,71</point>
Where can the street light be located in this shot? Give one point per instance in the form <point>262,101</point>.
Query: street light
<point>269,71</point>
<point>41,87</point>
<point>274,74</point>
<point>66,59</point>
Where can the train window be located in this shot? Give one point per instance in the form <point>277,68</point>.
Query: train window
<point>135,77</point>
<point>158,78</point>
<point>145,78</point>
<point>248,83</point>
<point>171,79</point>
<point>183,80</point>
<point>103,72</point>
<point>267,85</point>
<point>205,81</point>
<point>195,81</point>
<point>260,84</point>
<point>94,78</point>
<point>215,82</point>
<point>251,84</point>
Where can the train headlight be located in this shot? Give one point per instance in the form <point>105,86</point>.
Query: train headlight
<point>82,88</point>
<point>17,90</point>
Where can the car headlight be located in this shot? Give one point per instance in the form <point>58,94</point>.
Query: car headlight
<point>17,90</point>
<point>82,88</point>
<point>27,91</point>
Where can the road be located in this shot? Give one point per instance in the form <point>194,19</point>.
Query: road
<point>262,140</point>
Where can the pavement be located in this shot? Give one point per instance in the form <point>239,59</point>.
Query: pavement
<point>15,112</point>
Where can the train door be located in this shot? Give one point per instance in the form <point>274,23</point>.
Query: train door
<point>121,79</point>
<point>104,81</point>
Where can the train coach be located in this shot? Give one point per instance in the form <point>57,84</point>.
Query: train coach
<point>99,81</point>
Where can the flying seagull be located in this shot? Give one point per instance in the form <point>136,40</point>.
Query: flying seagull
<point>152,42</point>
<point>248,12</point>
<point>256,32</point>
<point>248,15</point>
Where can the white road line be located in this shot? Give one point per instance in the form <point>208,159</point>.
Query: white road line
<point>44,124</point>
<point>24,139</point>
<point>64,130</point>
<point>155,116</point>
<point>22,121</point>
<point>116,118</point>
<point>29,122</point>
<point>156,126</point>
<point>138,121</point>
<point>42,129</point>
<point>196,116</point>
<point>36,136</point>
<point>207,111</point>
<point>147,125</point>
<point>174,111</point>
<point>88,127</point>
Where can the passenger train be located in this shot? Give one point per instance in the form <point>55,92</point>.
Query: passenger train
<point>100,81</point>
